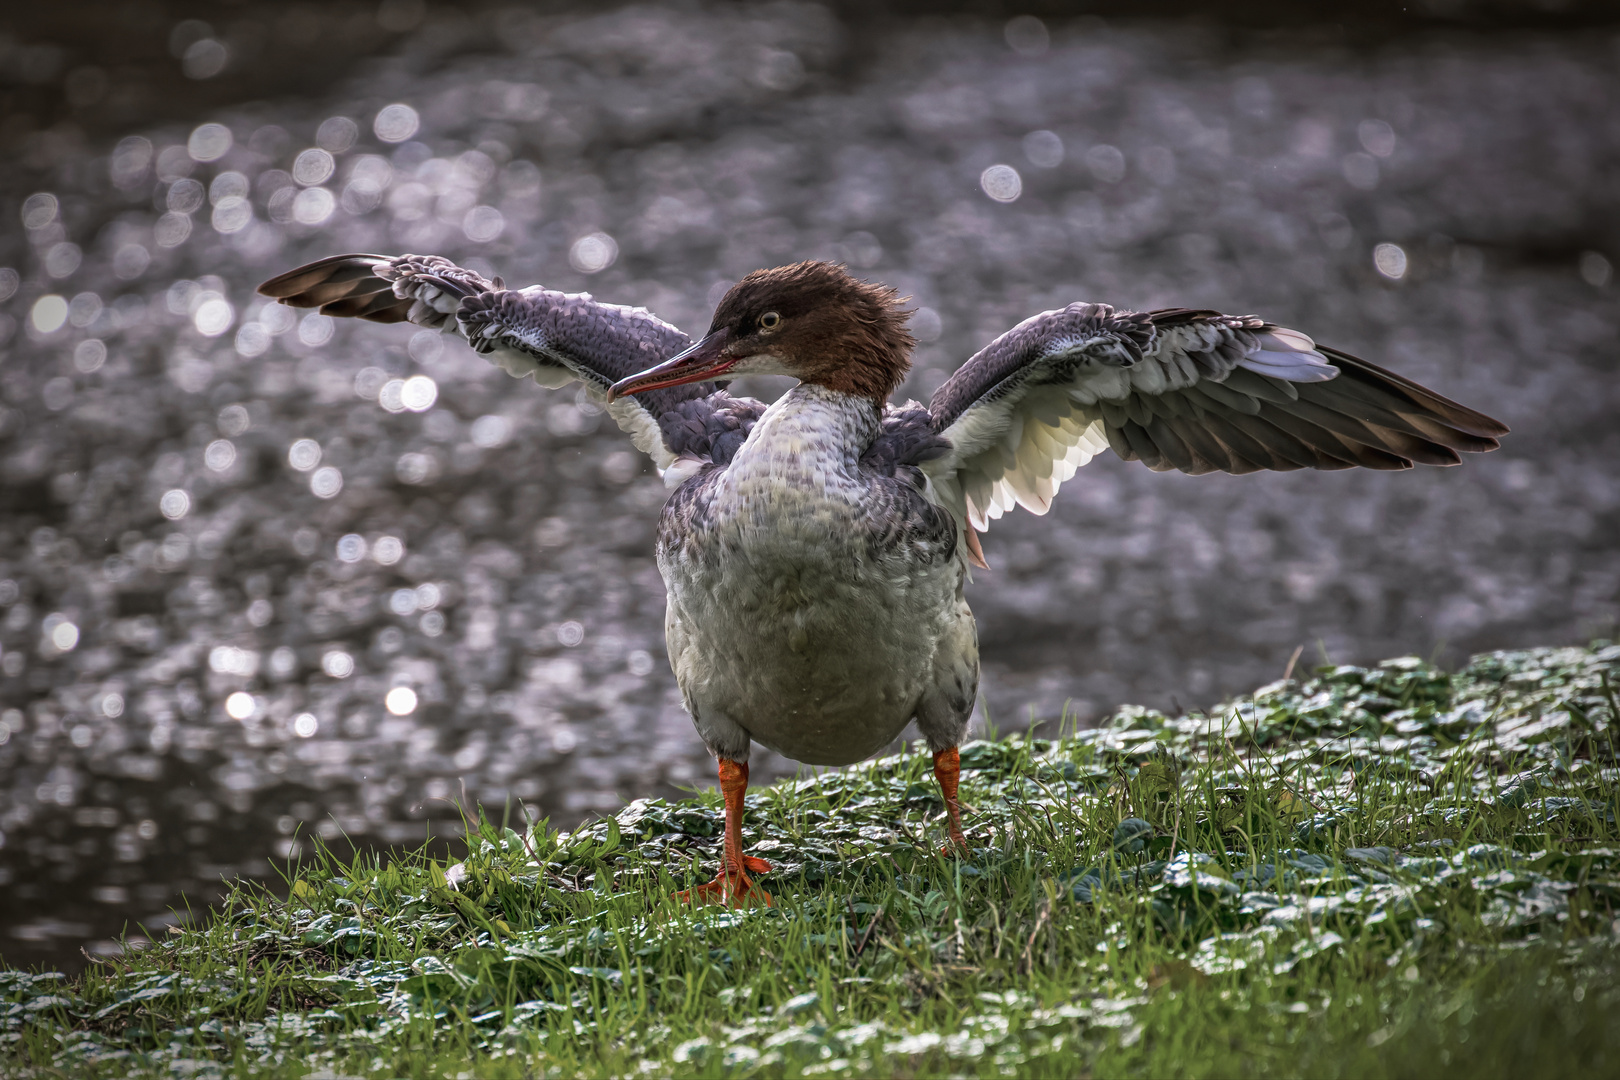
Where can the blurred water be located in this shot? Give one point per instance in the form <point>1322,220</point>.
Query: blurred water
<point>264,576</point>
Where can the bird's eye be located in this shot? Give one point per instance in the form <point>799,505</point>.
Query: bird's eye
<point>770,321</point>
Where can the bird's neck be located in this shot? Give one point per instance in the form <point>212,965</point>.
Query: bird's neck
<point>861,363</point>
<point>811,435</point>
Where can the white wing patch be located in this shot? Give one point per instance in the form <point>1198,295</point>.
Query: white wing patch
<point>520,364</point>
<point>1026,449</point>
<point>638,423</point>
<point>1018,448</point>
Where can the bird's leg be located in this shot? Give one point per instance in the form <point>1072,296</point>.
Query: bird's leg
<point>732,884</point>
<point>947,770</point>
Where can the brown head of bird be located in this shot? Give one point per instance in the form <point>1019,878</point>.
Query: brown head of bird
<point>811,321</point>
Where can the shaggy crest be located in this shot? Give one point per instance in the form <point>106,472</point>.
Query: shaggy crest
<point>835,330</point>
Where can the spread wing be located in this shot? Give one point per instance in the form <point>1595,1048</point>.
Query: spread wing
<point>555,338</point>
<point>1180,389</point>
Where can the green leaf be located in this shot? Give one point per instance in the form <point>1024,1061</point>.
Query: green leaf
<point>1131,836</point>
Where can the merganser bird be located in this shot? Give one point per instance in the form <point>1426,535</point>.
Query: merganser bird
<point>815,550</point>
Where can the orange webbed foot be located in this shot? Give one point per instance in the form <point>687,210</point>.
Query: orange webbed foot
<point>731,890</point>
<point>956,845</point>
<point>732,886</point>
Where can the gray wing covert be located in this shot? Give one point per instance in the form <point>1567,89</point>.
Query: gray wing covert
<point>904,515</point>
<point>1184,389</point>
<point>553,337</point>
<point>710,429</point>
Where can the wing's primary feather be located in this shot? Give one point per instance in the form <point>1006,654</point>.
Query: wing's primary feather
<point>555,338</point>
<point>1186,389</point>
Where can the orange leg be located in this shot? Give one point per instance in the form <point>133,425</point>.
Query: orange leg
<point>732,884</point>
<point>947,769</point>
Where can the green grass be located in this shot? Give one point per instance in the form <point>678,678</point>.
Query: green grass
<point>1386,872</point>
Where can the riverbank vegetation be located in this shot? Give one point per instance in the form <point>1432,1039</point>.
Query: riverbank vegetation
<point>1388,871</point>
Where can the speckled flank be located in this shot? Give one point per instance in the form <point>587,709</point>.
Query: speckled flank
<point>800,616</point>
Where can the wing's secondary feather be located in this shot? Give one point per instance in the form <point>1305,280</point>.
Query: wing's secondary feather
<point>1185,389</point>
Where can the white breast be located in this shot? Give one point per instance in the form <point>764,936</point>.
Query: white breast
<point>782,617</point>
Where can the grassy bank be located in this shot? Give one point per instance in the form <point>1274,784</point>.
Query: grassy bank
<point>1385,872</point>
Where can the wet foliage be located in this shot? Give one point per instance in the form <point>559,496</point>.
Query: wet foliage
<point>1390,870</point>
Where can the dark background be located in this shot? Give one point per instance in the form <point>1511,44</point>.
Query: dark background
<point>1243,157</point>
